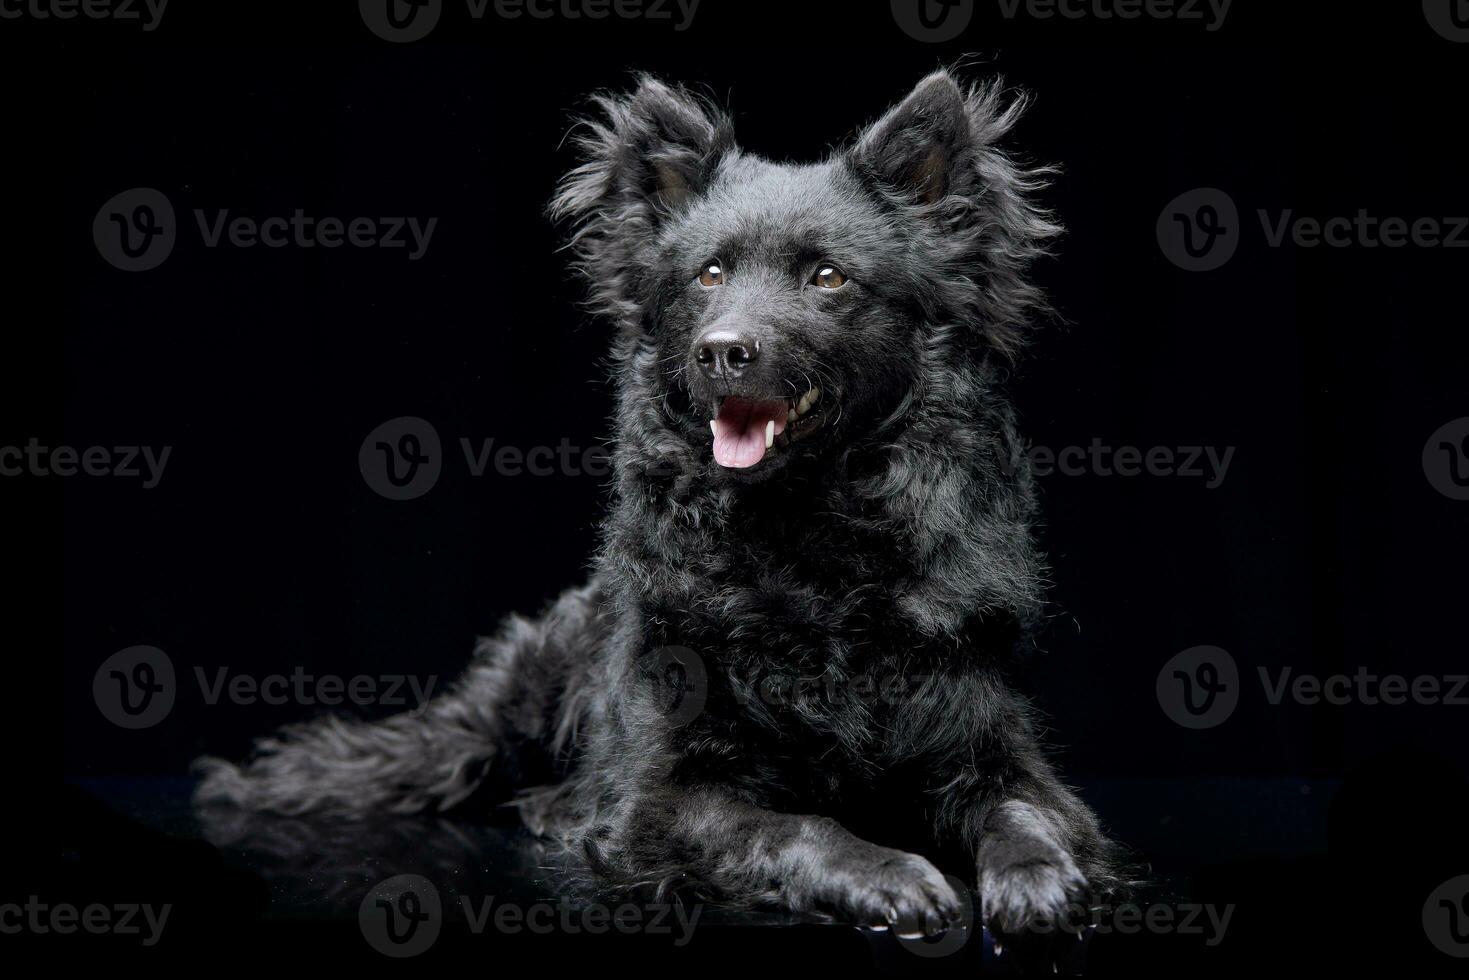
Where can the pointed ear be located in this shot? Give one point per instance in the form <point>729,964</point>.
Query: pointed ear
<point>924,147</point>
<point>645,157</point>
<point>940,149</point>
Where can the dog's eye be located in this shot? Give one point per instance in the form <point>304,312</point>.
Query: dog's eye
<point>828,276</point>
<point>712,275</point>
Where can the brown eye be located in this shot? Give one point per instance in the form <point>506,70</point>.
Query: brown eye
<point>712,275</point>
<point>829,276</point>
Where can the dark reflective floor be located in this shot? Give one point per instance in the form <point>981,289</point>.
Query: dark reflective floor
<point>1336,878</point>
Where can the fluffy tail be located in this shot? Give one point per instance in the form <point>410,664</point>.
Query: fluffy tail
<point>506,716</point>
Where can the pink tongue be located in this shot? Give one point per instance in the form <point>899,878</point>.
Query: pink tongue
<point>739,431</point>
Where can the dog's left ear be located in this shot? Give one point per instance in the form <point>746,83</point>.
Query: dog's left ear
<point>940,150</point>
<point>924,146</point>
<point>646,156</point>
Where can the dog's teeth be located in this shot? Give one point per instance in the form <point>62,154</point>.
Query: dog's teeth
<point>807,400</point>
<point>790,416</point>
<point>770,433</point>
<point>714,427</point>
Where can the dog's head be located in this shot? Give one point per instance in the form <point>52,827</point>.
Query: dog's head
<point>783,310</point>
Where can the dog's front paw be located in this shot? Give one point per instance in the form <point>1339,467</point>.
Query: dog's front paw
<point>1031,892</point>
<point>893,889</point>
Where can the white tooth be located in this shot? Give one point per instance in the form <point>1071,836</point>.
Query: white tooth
<point>804,405</point>
<point>790,416</point>
<point>770,433</point>
<point>814,394</point>
<point>714,427</point>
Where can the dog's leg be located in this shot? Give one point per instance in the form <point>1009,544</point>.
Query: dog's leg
<point>1028,875</point>
<point>504,711</point>
<point>1042,859</point>
<point>749,854</point>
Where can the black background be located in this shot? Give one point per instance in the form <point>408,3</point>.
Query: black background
<point>1324,549</point>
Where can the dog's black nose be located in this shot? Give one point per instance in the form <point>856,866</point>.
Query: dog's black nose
<point>725,353</point>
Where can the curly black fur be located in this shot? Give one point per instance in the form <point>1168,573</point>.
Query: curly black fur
<point>892,542</point>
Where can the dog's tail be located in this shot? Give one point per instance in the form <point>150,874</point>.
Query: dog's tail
<point>506,718</point>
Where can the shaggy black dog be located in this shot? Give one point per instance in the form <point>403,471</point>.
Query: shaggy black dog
<point>837,578</point>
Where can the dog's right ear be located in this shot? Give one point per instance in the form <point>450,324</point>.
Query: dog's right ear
<point>645,157</point>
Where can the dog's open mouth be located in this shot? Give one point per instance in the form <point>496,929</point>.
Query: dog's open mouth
<point>745,429</point>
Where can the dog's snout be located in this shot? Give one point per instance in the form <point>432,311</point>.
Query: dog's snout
<point>723,353</point>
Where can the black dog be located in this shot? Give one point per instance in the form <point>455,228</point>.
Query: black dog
<point>839,576</point>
